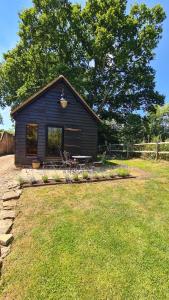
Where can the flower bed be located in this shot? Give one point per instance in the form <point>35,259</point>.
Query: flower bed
<point>71,181</point>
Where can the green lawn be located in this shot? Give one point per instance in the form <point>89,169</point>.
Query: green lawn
<point>94,241</point>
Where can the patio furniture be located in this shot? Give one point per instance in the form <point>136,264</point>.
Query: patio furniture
<point>82,158</point>
<point>51,164</point>
<point>65,162</point>
<point>97,164</point>
<point>73,163</point>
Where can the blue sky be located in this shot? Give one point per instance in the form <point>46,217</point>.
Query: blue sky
<point>8,37</point>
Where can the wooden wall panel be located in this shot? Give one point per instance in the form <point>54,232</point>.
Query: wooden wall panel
<point>46,110</point>
<point>6,143</point>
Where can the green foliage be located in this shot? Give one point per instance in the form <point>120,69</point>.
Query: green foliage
<point>96,175</point>
<point>123,172</point>
<point>67,232</point>
<point>129,128</point>
<point>33,180</point>
<point>145,147</point>
<point>76,177</point>
<point>45,178</point>
<point>57,178</point>
<point>104,51</point>
<point>11,130</point>
<point>152,147</point>
<point>85,175</point>
<point>68,178</point>
<point>158,124</point>
<point>111,174</point>
<point>21,180</point>
<point>132,129</point>
<point>103,158</point>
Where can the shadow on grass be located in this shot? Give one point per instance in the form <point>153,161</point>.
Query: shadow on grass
<point>112,164</point>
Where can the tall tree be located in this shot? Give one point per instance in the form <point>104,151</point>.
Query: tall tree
<point>131,128</point>
<point>103,50</point>
<point>158,123</point>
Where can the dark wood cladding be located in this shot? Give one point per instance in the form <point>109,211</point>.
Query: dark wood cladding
<point>80,128</point>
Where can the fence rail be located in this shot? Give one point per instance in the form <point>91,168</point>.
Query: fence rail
<point>155,149</point>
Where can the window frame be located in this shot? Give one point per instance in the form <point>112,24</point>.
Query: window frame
<point>28,154</point>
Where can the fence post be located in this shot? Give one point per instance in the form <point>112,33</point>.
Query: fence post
<point>127,150</point>
<point>157,151</point>
<point>7,144</point>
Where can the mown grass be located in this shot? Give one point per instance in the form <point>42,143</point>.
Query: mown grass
<point>94,241</point>
<point>156,168</point>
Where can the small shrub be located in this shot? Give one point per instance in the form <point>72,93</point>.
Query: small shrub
<point>111,174</point>
<point>85,175</point>
<point>57,178</point>
<point>103,158</point>
<point>123,172</point>
<point>21,180</point>
<point>68,178</point>
<point>103,175</point>
<point>33,180</point>
<point>96,176</point>
<point>45,178</point>
<point>76,177</point>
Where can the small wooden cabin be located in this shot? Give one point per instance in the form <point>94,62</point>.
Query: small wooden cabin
<point>54,119</point>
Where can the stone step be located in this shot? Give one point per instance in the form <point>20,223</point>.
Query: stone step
<point>6,239</point>
<point>11,195</point>
<point>5,250</point>
<point>5,226</point>
<point>13,185</point>
<point>9,204</point>
<point>7,214</point>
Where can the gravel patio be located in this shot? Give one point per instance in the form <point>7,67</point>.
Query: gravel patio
<point>10,174</point>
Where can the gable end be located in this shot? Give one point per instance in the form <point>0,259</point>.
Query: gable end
<point>46,88</point>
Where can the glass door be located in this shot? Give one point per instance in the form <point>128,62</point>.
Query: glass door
<point>54,141</point>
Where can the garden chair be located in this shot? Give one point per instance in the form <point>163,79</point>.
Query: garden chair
<point>65,163</point>
<point>71,162</point>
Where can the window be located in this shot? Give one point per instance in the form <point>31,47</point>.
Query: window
<point>54,140</point>
<point>31,139</point>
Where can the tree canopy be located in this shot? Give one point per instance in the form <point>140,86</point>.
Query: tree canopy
<point>104,50</point>
<point>158,123</point>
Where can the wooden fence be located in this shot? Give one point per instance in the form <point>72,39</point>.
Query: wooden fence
<point>6,143</point>
<point>159,150</point>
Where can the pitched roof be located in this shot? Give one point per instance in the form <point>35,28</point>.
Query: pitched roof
<point>45,88</point>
